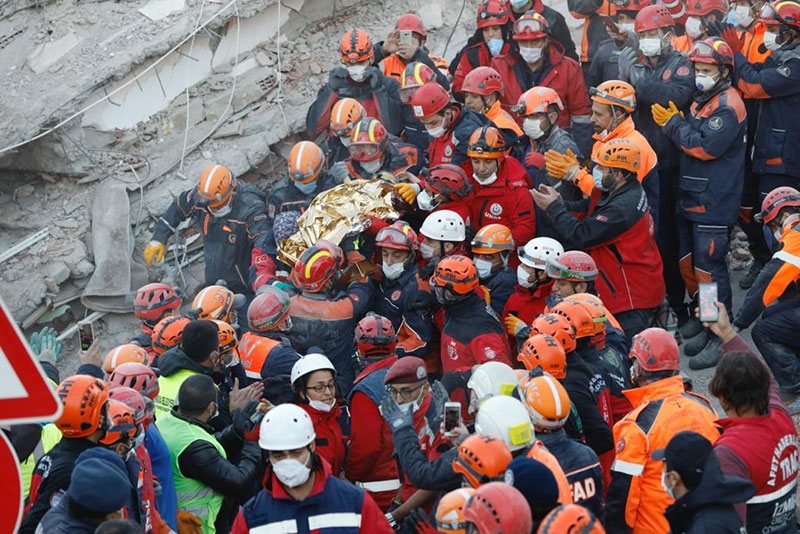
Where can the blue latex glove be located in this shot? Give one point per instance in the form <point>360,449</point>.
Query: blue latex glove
<point>48,347</point>
<point>395,416</point>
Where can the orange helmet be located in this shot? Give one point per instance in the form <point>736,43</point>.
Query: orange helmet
<point>416,74</point>
<point>557,326</point>
<point>492,238</point>
<point>356,46</point>
<point>136,376</point>
<point>439,61</point>
<point>84,398</point>
<point>486,143</point>
<point>493,13</point>
<point>122,424</point>
<point>620,153</point>
<point>412,22</point>
<point>595,307</point>
<point>214,302</point>
<point>456,273</point>
<point>305,162</point>
<point>215,187</point>
<point>537,100</point>
<point>481,459</point>
<point>124,354</point>
<point>530,27</point>
<point>483,81</point>
<point>369,140</point>
<point>543,350</point>
<point>572,518</point>
<point>615,93</point>
<point>319,264</point>
<point>167,333</point>
<point>345,114</point>
<point>547,402</point>
<point>227,337</point>
<point>450,511</point>
<point>578,316</point>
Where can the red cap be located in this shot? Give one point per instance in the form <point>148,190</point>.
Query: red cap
<point>406,370</point>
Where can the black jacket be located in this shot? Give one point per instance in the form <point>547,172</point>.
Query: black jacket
<point>708,508</point>
<point>285,196</point>
<point>421,472</point>
<point>501,286</point>
<point>583,388</point>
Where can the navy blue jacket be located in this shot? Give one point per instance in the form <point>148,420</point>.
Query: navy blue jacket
<point>393,300</point>
<point>501,286</point>
<point>285,196</point>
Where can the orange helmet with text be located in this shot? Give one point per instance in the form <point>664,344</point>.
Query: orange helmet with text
<point>214,302</point>
<point>595,307</point>
<point>578,316</point>
<point>486,143</point>
<point>557,326</point>
<point>356,46</point>
<point>481,459</point>
<point>84,401</point>
<point>544,351</point>
<point>456,273</point>
<point>491,239</point>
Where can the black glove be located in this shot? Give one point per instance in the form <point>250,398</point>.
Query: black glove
<point>469,234</point>
<point>714,28</point>
<point>242,422</point>
<point>422,302</point>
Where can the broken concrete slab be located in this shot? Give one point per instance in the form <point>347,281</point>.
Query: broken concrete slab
<point>251,32</point>
<point>431,15</point>
<point>160,9</point>
<point>47,54</point>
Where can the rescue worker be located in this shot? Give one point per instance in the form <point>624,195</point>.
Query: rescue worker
<point>491,249</point>
<point>752,404</point>
<point>415,75</point>
<point>570,518</point>
<point>636,499</point>
<point>306,180</point>
<point>492,37</point>
<point>540,108</point>
<point>450,510</point>
<point>445,187</point>
<point>151,304</point>
<point>549,407</point>
<point>555,21</point>
<point>299,488</point>
<point>448,124</point>
<point>472,332</point>
<point>345,113</point>
<point>572,272</point>
<point>483,90</point>
<point>324,315</point>
<point>393,55</point>
<point>265,351</point>
<point>537,60</point>
<point>537,484</point>
<point>313,382</point>
<point>370,463</point>
<point>357,79</point>
<point>481,459</point>
<point>699,14</point>
<point>207,483</point>
<point>127,353</point>
<point>712,142</point>
<point>594,29</point>
<point>501,186</point>
<point>442,234</point>
<point>621,33</point>
<point>618,233</point>
<point>232,216</point>
<point>373,150</point>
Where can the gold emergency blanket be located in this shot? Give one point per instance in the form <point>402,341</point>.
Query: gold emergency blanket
<point>336,212</point>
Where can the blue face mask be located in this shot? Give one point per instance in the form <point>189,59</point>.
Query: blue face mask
<point>597,176</point>
<point>495,46</point>
<point>518,4</point>
<point>306,188</point>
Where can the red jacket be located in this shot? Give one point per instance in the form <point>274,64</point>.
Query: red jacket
<point>506,201</point>
<point>472,334</point>
<point>429,441</point>
<point>472,57</point>
<point>330,442</point>
<point>526,305</point>
<point>451,147</point>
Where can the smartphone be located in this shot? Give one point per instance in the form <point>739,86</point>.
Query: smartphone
<point>86,333</point>
<point>610,24</point>
<point>406,37</point>
<point>452,416</point>
<point>709,313</point>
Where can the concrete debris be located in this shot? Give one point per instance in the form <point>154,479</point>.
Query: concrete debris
<point>431,15</point>
<point>47,54</point>
<point>159,9</point>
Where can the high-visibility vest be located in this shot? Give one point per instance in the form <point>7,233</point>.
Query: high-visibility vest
<point>50,436</point>
<point>168,390</point>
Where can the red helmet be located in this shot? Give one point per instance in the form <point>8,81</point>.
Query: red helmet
<point>168,333</point>
<point>375,336</point>
<point>153,300</point>
<point>713,51</point>
<point>448,180</point>
<point>652,17</point>
<point>497,507</point>
<point>122,423</point>
<point>572,518</point>
<point>777,199</point>
<point>530,27</point>
<point>356,46</point>
<point>701,8</point>
<point>573,266</point>
<point>415,75</point>
<point>133,400</point>
<point>785,12</point>
<point>136,376</point>
<point>493,13</point>
<point>412,22</point>
<point>656,350</point>
<point>483,81</point>
<point>399,236</point>
<point>319,264</point>
<point>429,100</point>
<point>556,326</point>
<point>83,398</point>
<point>369,140</point>
<point>268,310</point>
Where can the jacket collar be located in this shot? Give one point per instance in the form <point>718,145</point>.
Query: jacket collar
<point>660,389</point>
<point>552,438</point>
<point>622,130</point>
<point>175,413</point>
<point>375,366</point>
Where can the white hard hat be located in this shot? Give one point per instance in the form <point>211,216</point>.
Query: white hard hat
<point>286,427</point>
<point>444,225</point>
<point>538,250</point>
<point>310,363</point>
<point>505,418</point>
<point>492,378</point>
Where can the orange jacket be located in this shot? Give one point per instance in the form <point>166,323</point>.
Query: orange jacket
<point>540,453</point>
<point>789,272</point>
<point>502,119</point>
<point>393,66</point>
<point>682,43</point>
<point>753,39</point>
<point>636,500</point>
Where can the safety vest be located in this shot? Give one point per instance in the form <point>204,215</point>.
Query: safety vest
<point>193,496</point>
<point>168,390</point>
<point>253,353</point>
<point>50,436</point>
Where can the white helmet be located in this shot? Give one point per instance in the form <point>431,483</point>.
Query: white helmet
<point>310,363</point>
<point>444,225</point>
<point>505,418</point>
<point>538,250</point>
<point>286,427</point>
<point>492,378</point>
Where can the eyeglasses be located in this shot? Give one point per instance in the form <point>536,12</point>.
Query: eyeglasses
<point>405,393</point>
<point>331,386</point>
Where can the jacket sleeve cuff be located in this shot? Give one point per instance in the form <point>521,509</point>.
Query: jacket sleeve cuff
<point>737,343</point>
<point>585,182</point>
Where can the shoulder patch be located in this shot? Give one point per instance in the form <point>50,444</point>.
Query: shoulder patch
<point>784,70</point>
<point>683,70</point>
<point>620,445</point>
<point>666,75</point>
<point>715,123</point>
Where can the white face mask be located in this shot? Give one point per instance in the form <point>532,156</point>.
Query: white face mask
<point>531,55</point>
<point>743,15</point>
<point>522,277</point>
<point>484,267</point>
<point>704,82</point>
<point>664,485</point>
<point>625,27</point>
<point>221,212</point>
<point>489,180</point>
<point>533,128</point>
<point>306,188</point>
<point>291,473</point>
<point>322,406</point>
<point>426,251</point>
<point>371,166</point>
<point>694,27</point>
<point>650,46</point>
<point>393,271</point>
<point>357,72</point>
<point>771,40</point>
<point>426,202</point>
<point>436,132</point>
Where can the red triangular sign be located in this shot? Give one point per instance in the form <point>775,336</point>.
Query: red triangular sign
<point>25,394</point>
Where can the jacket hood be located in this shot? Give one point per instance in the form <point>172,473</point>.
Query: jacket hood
<point>175,360</point>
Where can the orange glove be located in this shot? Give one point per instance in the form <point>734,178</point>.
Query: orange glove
<point>514,325</point>
<point>559,165</point>
<point>188,523</point>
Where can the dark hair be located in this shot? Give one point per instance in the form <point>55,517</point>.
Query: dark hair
<point>119,526</point>
<point>742,380</point>
<point>655,375</point>
<point>589,284</point>
<point>195,394</point>
<point>200,339</point>
<point>82,513</point>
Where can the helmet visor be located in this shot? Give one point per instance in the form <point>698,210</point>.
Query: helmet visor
<point>530,26</point>
<point>768,14</point>
<point>560,271</point>
<point>392,238</point>
<point>365,152</point>
<point>407,92</point>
